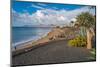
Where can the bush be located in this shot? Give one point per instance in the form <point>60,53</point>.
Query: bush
<point>79,41</point>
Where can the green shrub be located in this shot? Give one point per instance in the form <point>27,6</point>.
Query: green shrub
<point>79,41</point>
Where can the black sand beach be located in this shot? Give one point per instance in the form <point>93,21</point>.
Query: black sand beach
<point>52,52</point>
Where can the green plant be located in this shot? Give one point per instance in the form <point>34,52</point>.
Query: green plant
<point>79,41</point>
<point>87,20</point>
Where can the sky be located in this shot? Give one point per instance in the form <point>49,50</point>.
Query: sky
<point>39,13</point>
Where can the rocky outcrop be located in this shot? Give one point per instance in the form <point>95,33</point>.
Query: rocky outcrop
<point>58,33</point>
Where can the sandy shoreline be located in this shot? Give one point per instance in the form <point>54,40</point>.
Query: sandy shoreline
<point>34,43</point>
<point>52,34</point>
<point>30,43</point>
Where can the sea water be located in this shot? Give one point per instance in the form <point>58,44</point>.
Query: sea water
<point>25,34</point>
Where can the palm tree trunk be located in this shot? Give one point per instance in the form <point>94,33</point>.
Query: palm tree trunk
<point>89,39</point>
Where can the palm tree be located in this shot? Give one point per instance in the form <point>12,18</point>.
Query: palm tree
<point>87,20</point>
<point>91,7</point>
<point>72,23</point>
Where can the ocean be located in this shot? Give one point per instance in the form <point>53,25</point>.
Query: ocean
<point>25,34</point>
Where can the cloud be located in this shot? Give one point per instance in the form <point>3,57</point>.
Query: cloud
<point>19,19</point>
<point>39,14</point>
<point>37,6</point>
<point>47,16</point>
<point>42,4</point>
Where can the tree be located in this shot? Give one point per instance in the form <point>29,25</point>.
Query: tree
<point>91,7</point>
<point>87,20</point>
<point>72,23</point>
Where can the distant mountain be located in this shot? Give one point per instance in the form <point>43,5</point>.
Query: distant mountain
<point>42,25</point>
<point>36,26</point>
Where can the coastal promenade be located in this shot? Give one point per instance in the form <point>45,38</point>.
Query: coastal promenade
<point>52,52</point>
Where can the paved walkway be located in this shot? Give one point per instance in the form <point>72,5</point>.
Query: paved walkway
<point>53,52</point>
